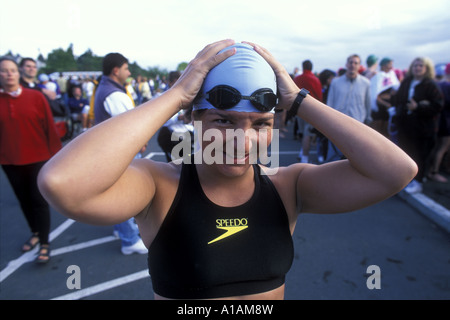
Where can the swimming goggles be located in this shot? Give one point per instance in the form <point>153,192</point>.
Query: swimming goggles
<point>226,97</point>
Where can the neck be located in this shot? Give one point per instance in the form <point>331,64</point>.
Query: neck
<point>210,174</point>
<point>115,79</point>
<point>11,88</point>
<point>27,79</point>
<point>228,191</point>
<point>351,76</point>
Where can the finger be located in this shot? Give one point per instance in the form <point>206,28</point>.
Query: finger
<point>263,52</point>
<point>209,57</point>
<point>220,57</point>
<point>213,48</point>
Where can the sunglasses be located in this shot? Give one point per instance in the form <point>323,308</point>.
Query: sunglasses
<point>226,97</point>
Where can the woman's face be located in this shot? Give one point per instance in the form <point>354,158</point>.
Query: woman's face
<point>9,75</point>
<point>418,69</point>
<point>232,141</point>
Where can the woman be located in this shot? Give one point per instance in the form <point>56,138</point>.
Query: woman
<point>28,138</point>
<point>418,103</point>
<point>221,229</point>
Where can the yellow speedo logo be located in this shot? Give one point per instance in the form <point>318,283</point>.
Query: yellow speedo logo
<point>231,226</point>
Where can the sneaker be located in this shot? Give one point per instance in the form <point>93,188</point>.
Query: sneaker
<point>304,159</point>
<point>414,187</point>
<point>138,247</point>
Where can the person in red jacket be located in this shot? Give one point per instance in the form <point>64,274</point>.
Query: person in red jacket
<point>310,82</point>
<point>28,138</point>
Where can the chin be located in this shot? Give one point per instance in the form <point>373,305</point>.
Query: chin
<point>233,170</point>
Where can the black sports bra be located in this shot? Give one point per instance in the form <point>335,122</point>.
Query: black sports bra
<point>204,250</point>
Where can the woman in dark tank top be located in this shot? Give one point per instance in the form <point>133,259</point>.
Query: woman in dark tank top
<point>220,224</point>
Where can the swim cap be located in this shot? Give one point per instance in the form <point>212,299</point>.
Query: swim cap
<point>245,71</point>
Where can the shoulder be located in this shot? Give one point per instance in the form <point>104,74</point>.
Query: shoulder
<point>119,95</point>
<point>432,83</point>
<point>164,178</point>
<point>429,85</point>
<point>117,101</point>
<point>285,181</point>
<point>162,174</point>
<point>298,78</point>
<point>33,94</point>
<point>337,80</point>
<point>363,80</point>
<point>163,170</point>
<point>283,174</point>
<point>284,177</point>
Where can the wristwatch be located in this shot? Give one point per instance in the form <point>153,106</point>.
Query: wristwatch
<point>301,95</point>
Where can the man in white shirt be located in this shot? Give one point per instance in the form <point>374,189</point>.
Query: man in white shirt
<point>349,94</point>
<point>111,99</point>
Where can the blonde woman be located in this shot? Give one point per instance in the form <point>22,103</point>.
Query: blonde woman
<point>418,103</point>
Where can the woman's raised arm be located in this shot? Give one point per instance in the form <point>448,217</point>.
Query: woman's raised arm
<point>374,170</point>
<point>94,178</point>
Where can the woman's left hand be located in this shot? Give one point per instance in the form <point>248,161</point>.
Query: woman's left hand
<point>287,89</point>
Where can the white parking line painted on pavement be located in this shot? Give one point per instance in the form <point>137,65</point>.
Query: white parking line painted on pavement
<point>79,294</point>
<point>30,255</point>
<point>82,245</point>
<point>60,229</point>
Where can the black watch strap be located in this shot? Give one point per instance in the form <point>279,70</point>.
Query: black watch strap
<point>298,100</point>
<point>301,95</point>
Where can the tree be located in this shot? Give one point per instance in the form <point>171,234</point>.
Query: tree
<point>59,60</point>
<point>182,66</point>
<point>88,61</point>
<point>136,70</point>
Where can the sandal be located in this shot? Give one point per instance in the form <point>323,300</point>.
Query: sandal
<point>43,254</point>
<point>30,244</point>
<point>435,176</point>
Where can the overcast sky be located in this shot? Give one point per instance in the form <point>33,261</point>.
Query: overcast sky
<point>166,32</point>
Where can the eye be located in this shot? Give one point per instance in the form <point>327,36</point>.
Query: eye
<point>263,124</point>
<point>222,121</point>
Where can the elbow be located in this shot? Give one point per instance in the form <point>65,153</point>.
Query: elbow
<point>414,169</point>
<point>410,168</point>
<point>49,185</point>
<point>404,174</point>
<point>54,188</point>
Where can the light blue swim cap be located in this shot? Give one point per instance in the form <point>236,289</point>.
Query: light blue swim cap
<point>245,71</point>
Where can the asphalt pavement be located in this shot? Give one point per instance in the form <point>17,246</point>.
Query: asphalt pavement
<point>406,237</point>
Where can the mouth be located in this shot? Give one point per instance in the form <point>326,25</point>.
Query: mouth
<point>235,159</point>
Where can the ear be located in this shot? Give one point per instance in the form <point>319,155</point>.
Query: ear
<point>115,71</point>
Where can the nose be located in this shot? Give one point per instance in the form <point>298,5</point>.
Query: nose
<point>241,142</point>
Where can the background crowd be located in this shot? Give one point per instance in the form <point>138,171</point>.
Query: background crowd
<point>411,107</point>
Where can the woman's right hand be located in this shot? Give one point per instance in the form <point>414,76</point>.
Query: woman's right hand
<point>192,78</point>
